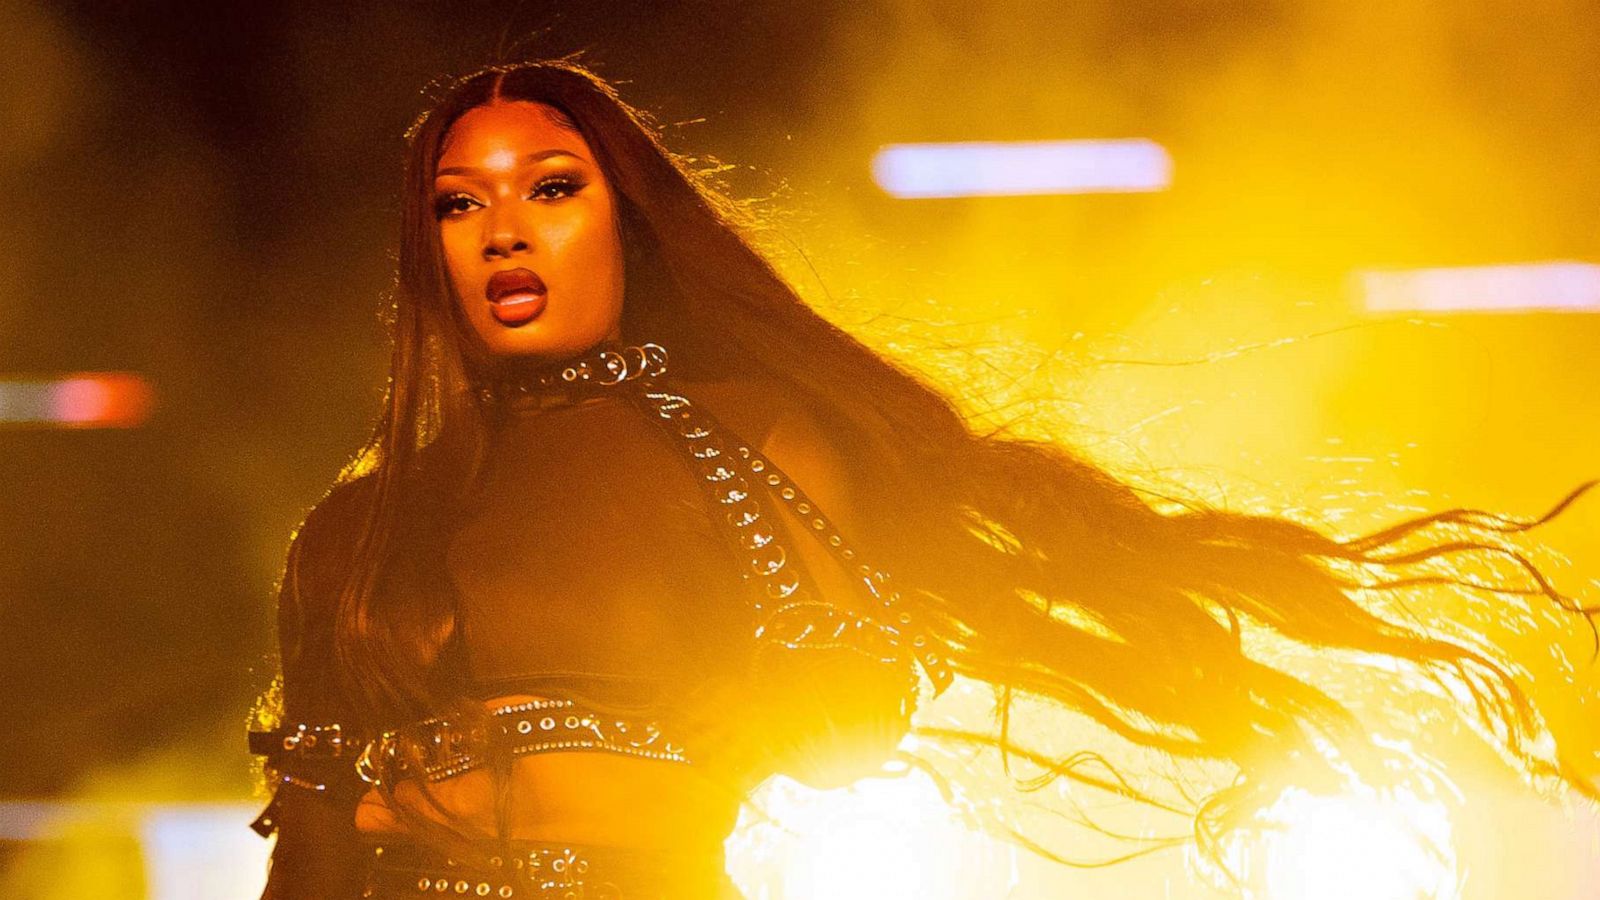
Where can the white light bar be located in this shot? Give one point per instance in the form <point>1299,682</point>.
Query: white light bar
<point>1530,287</point>
<point>191,851</point>
<point>998,169</point>
<point>202,852</point>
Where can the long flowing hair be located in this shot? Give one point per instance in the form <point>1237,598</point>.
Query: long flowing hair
<point>1042,573</point>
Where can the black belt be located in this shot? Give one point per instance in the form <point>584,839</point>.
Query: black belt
<point>438,749</point>
<point>537,870</point>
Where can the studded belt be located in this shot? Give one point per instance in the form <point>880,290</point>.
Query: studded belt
<point>438,748</point>
<point>527,870</point>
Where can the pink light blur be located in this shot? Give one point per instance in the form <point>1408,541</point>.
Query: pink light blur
<point>77,400</point>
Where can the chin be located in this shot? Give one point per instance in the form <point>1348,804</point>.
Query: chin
<point>528,344</point>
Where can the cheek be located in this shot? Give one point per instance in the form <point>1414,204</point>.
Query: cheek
<point>591,253</point>
<point>458,252</point>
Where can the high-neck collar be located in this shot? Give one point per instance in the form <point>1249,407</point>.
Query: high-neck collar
<point>601,370</point>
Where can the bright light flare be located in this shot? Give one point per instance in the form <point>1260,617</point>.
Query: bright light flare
<point>80,400</point>
<point>878,838</point>
<point>996,169</point>
<point>1391,845</point>
<point>1529,287</point>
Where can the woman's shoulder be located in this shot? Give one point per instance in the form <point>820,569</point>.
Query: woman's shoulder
<point>757,409</point>
<point>336,517</point>
<point>323,546</point>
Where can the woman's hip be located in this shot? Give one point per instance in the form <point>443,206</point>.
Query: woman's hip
<point>528,870</point>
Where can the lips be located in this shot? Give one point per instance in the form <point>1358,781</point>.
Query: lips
<point>515,296</point>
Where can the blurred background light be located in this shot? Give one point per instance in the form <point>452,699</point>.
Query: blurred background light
<point>188,851</point>
<point>202,852</point>
<point>980,169</point>
<point>80,400</point>
<point>880,837</point>
<point>1528,287</point>
<point>1393,846</point>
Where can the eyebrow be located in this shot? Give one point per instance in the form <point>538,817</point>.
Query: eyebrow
<point>540,156</point>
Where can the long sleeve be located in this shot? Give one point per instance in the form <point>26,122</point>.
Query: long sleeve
<point>318,855</point>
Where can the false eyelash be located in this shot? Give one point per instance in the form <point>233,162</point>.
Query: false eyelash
<point>441,206</point>
<point>572,183</point>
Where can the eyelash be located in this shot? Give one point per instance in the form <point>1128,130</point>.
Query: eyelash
<point>569,185</point>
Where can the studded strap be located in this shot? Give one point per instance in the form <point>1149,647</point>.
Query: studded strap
<point>786,605</point>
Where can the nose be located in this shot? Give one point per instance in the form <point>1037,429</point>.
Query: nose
<point>504,236</point>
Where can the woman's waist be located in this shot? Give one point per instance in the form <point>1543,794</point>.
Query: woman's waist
<point>595,798</point>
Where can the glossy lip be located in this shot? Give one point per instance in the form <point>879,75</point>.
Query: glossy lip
<point>517,309</point>
<point>509,281</point>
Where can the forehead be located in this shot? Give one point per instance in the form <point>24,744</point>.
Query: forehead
<point>497,135</point>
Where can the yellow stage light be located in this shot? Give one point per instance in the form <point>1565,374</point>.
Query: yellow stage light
<point>878,838</point>
<point>1390,845</point>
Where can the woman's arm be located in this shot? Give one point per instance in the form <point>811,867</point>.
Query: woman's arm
<point>312,754</point>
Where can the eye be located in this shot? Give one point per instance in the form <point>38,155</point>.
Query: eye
<point>451,205</point>
<point>556,187</point>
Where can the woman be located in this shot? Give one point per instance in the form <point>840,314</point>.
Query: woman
<point>619,547</point>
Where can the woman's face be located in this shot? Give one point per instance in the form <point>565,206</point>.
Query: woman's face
<point>528,224</point>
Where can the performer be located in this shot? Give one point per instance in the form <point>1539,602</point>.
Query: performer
<point>621,548</point>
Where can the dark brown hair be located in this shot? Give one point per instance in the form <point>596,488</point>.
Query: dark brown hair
<point>996,537</point>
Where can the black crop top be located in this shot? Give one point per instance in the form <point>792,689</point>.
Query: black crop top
<point>588,567</point>
<point>587,563</point>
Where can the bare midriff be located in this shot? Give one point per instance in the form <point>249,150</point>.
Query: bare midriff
<point>578,796</point>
